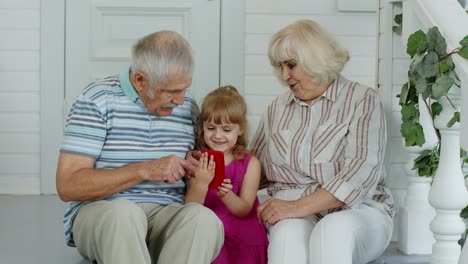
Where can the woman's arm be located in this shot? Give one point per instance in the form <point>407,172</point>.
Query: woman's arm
<point>274,210</point>
<point>241,205</point>
<point>364,153</point>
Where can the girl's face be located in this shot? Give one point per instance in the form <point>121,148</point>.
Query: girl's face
<point>221,137</point>
<point>300,83</point>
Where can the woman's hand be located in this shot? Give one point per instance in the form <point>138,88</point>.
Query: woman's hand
<point>225,188</point>
<point>274,210</point>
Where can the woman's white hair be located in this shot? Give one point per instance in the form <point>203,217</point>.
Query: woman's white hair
<point>312,47</point>
<point>162,54</point>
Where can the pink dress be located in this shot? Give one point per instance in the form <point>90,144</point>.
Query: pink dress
<point>245,240</point>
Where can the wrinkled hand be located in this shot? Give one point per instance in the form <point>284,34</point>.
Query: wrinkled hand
<point>169,169</point>
<point>205,170</point>
<point>224,188</point>
<point>193,157</point>
<point>273,210</point>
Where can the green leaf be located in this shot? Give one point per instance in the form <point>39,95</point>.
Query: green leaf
<point>436,108</point>
<point>407,129</point>
<point>441,87</point>
<point>420,140</point>
<point>404,93</point>
<point>398,19</point>
<point>464,41</point>
<point>412,133</point>
<point>454,119</point>
<point>435,41</point>
<point>452,74</point>
<point>417,43</point>
<point>397,29</point>
<point>415,63</point>
<point>446,65</point>
<point>423,88</point>
<point>429,66</point>
<point>409,112</point>
<point>463,52</point>
<point>463,153</point>
<point>424,171</point>
<point>464,213</point>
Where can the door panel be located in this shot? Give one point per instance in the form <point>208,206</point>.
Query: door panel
<point>100,34</point>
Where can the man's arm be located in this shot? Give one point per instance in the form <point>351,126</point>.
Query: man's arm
<point>77,180</point>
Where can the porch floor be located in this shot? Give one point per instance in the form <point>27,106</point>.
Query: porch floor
<point>31,231</point>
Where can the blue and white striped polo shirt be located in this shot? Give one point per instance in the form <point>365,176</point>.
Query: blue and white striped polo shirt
<point>109,122</point>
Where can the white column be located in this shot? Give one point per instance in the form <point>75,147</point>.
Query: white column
<point>415,236</point>
<point>448,194</point>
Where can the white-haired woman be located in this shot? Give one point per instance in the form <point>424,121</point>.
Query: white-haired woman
<point>321,145</point>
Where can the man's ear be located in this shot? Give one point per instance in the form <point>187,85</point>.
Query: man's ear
<point>139,81</point>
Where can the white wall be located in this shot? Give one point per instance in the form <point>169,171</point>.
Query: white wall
<point>392,76</point>
<point>19,96</point>
<point>354,30</point>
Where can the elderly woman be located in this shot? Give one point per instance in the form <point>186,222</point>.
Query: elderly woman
<point>321,145</point>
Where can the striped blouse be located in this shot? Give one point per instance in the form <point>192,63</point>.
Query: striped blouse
<point>109,122</point>
<point>337,143</point>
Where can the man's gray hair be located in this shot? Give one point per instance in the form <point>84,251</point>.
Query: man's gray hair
<point>162,54</point>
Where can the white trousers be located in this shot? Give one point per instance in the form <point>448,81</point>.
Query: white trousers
<point>358,235</point>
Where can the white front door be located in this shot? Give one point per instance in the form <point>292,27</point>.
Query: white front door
<point>100,34</point>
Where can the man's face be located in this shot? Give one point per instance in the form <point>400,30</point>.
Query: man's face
<point>160,100</point>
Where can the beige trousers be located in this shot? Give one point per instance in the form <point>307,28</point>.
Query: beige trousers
<point>120,231</point>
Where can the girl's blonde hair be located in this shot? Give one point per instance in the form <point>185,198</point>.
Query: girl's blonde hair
<point>224,106</point>
<point>312,47</point>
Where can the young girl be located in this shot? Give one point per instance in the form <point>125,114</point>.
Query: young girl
<point>222,126</point>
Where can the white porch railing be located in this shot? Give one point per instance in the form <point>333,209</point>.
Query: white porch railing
<point>448,194</point>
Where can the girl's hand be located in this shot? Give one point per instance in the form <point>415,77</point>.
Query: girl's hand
<point>204,173</point>
<point>224,188</point>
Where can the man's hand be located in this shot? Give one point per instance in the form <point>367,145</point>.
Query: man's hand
<point>193,157</point>
<point>169,169</point>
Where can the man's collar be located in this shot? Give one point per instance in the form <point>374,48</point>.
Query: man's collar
<point>127,86</point>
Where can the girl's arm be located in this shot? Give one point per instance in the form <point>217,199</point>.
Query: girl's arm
<point>241,205</point>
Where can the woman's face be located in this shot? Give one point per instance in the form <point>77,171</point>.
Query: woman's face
<point>303,85</point>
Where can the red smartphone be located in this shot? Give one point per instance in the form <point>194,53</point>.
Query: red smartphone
<point>218,158</point>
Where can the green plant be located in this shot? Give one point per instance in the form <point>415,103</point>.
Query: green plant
<point>398,20</point>
<point>431,75</point>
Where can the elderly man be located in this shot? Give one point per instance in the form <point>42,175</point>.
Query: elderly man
<point>122,162</point>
